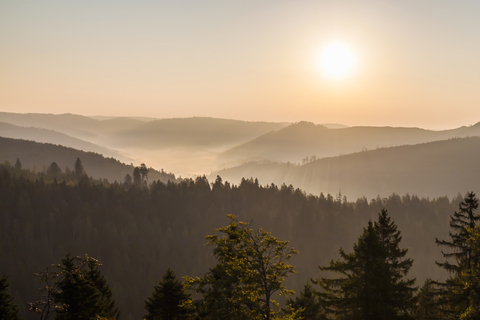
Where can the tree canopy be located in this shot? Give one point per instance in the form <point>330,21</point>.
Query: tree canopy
<point>251,267</point>
<point>372,285</point>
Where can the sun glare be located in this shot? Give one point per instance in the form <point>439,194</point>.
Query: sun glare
<point>337,61</point>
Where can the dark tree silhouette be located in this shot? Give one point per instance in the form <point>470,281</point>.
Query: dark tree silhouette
<point>8,310</point>
<point>373,286</point>
<point>166,300</point>
<point>455,292</point>
<point>78,168</point>
<point>18,165</point>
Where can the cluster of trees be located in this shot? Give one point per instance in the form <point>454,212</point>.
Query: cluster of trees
<point>138,232</point>
<point>252,265</point>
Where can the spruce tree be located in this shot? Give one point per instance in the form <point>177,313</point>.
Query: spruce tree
<point>18,165</point>
<point>307,305</point>
<point>166,299</point>
<point>77,297</point>
<point>8,310</point>
<point>456,292</point>
<point>106,304</point>
<point>400,295</point>
<point>461,222</point>
<point>79,171</point>
<point>427,302</point>
<point>75,289</point>
<point>373,284</point>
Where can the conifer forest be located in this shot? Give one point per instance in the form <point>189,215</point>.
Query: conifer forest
<point>75,247</point>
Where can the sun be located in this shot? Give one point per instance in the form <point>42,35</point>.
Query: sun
<point>337,61</point>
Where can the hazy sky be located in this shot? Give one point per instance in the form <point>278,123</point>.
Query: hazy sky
<point>418,62</point>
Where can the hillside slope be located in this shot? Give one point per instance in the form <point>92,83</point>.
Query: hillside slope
<point>430,169</point>
<point>42,155</point>
<point>50,136</point>
<point>305,139</point>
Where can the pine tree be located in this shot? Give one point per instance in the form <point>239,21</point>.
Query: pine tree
<point>308,304</point>
<point>18,165</point>
<point>400,295</point>
<point>456,292</point>
<point>166,300</point>
<point>74,289</point>
<point>137,177</point>
<point>460,222</point>
<point>373,286</point>
<point>106,304</point>
<point>79,171</point>
<point>8,310</point>
<point>77,296</point>
<point>427,302</point>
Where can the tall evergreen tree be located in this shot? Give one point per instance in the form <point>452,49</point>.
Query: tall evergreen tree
<point>77,297</point>
<point>75,289</point>
<point>427,302</point>
<point>137,176</point>
<point>8,310</point>
<point>460,222</point>
<point>79,171</point>
<point>107,307</point>
<point>456,291</point>
<point>166,300</point>
<point>373,286</point>
<point>307,305</point>
<point>18,165</point>
<point>400,295</point>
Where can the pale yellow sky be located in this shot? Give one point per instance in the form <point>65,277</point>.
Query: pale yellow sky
<point>250,60</point>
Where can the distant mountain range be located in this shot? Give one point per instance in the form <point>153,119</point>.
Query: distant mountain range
<point>330,158</point>
<point>430,169</point>
<point>305,139</point>
<point>185,145</point>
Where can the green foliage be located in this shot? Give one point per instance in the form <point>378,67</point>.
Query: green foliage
<point>8,310</point>
<point>166,300</point>
<point>373,284</point>
<point>250,268</point>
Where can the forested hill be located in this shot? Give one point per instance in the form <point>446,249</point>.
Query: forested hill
<point>139,232</point>
<point>430,170</point>
<point>41,155</point>
<point>50,136</point>
<point>305,139</point>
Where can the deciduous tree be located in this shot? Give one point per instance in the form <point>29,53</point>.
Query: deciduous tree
<point>251,267</point>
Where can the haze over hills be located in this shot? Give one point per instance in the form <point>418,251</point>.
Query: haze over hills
<point>305,139</point>
<point>50,136</point>
<point>430,169</point>
<point>194,132</point>
<point>185,145</point>
<point>196,146</point>
<point>41,155</point>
